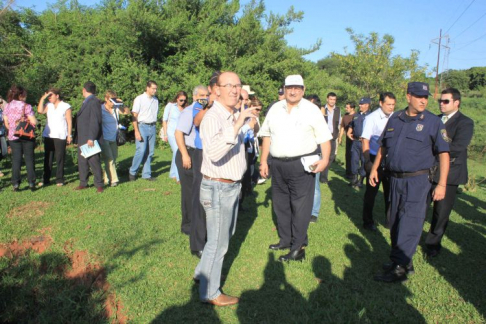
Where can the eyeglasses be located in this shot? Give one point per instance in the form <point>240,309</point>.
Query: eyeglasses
<point>182,100</point>
<point>230,86</point>
<point>445,101</point>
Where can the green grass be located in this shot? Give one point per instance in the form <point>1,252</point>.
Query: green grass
<point>133,231</point>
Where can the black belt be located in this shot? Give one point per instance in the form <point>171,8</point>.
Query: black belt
<point>293,158</point>
<point>150,124</point>
<point>408,174</point>
<point>190,148</point>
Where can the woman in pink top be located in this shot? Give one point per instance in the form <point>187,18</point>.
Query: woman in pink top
<point>14,110</point>
<point>57,133</point>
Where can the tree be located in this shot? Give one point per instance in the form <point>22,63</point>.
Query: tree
<point>372,68</point>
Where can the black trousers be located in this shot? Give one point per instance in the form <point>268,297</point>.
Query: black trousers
<point>293,197</point>
<point>246,187</point>
<point>197,238</point>
<point>370,195</point>
<point>349,143</point>
<point>186,177</point>
<point>440,218</point>
<point>54,147</point>
<point>23,148</point>
<point>323,175</point>
<point>84,165</point>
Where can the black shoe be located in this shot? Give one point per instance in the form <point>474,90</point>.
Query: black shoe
<point>131,177</point>
<point>370,227</point>
<point>197,253</point>
<point>150,179</point>
<point>32,187</point>
<point>388,266</point>
<point>297,255</point>
<point>16,188</point>
<point>278,247</point>
<point>313,219</point>
<point>397,273</point>
<point>354,181</point>
<point>432,253</point>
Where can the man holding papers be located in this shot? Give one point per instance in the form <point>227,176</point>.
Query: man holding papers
<point>89,132</point>
<point>294,128</point>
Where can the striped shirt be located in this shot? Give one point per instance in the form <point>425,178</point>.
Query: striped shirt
<point>224,153</point>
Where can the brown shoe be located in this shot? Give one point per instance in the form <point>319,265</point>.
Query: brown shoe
<point>224,300</point>
<point>81,188</point>
<point>99,189</point>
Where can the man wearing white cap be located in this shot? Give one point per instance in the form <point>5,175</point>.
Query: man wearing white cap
<point>293,129</point>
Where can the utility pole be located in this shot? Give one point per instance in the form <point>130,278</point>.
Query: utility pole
<point>438,59</point>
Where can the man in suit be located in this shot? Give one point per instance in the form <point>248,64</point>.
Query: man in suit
<point>332,114</point>
<point>88,129</point>
<point>459,130</point>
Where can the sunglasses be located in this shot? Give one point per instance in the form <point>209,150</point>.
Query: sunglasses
<point>445,101</point>
<point>182,100</point>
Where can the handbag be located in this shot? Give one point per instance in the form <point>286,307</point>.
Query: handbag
<point>24,130</point>
<point>121,136</point>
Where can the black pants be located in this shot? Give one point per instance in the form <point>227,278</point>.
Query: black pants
<point>186,177</point>
<point>370,195</point>
<point>197,238</point>
<point>293,197</point>
<point>349,143</point>
<point>54,147</point>
<point>440,218</point>
<point>94,163</point>
<point>323,175</point>
<point>246,187</point>
<point>23,148</point>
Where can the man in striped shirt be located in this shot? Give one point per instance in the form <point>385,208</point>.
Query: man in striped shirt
<point>222,131</point>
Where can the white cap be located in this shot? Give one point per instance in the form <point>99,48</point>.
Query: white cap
<point>247,88</point>
<point>294,80</point>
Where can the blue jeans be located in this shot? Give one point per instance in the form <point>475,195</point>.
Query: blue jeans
<point>317,197</point>
<point>220,201</point>
<point>144,151</point>
<point>174,173</point>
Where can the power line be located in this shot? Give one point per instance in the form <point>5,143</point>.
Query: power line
<point>471,42</point>
<point>471,25</point>
<point>460,16</point>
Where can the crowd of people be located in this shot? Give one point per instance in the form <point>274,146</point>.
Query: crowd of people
<point>216,141</point>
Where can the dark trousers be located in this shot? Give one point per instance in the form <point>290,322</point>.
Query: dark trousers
<point>246,187</point>
<point>293,196</point>
<point>54,147</point>
<point>357,159</point>
<point>186,177</point>
<point>349,143</point>
<point>409,198</point>
<point>440,218</point>
<point>23,148</point>
<point>197,238</point>
<point>370,195</point>
<point>323,175</point>
<point>94,163</point>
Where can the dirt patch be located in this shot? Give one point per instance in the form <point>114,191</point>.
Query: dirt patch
<point>81,270</point>
<point>33,209</point>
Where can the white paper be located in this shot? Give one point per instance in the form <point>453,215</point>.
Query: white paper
<point>87,151</point>
<point>307,161</point>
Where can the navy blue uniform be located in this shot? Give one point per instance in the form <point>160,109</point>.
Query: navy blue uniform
<point>357,157</point>
<point>411,146</point>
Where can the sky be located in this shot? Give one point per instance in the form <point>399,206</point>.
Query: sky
<point>414,24</point>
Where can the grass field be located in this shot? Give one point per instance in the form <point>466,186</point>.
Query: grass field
<point>131,243</point>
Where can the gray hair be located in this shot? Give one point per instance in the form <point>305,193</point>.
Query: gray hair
<point>199,87</point>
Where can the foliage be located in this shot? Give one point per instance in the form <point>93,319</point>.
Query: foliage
<point>371,68</point>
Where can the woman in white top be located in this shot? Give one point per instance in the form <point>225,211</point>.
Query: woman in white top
<point>57,133</point>
<point>169,120</point>
<point>109,149</point>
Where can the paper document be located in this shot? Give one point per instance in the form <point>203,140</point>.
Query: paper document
<point>87,151</point>
<point>307,161</point>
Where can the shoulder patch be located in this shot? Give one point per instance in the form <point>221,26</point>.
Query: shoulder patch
<point>390,129</point>
<point>446,138</point>
<point>419,127</point>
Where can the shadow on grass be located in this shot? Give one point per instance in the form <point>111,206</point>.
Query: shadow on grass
<point>35,289</point>
<point>465,270</point>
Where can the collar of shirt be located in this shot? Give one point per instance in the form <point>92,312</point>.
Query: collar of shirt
<point>450,115</point>
<point>285,106</point>
<point>227,115</point>
<point>383,115</point>
<point>403,116</point>
<point>330,110</point>
<point>86,99</point>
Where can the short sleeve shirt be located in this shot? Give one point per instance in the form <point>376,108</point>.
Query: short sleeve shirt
<point>186,126</point>
<point>412,143</point>
<point>109,124</point>
<point>196,110</point>
<point>147,108</point>
<point>373,127</point>
<point>171,116</point>
<point>13,111</point>
<point>56,126</point>
<point>357,124</point>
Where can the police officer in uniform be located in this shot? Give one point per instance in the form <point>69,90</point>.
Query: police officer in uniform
<point>412,140</point>
<point>459,132</point>
<point>354,133</point>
